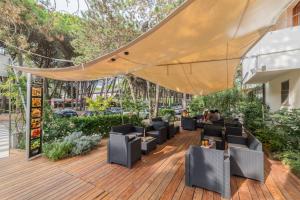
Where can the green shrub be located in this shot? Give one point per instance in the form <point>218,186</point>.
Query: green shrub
<point>196,106</point>
<point>57,150</point>
<point>82,144</point>
<point>58,128</point>
<point>101,124</point>
<point>280,134</point>
<point>292,159</point>
<point>72,145</point>
<point>167,114</point>
<point>21,141</point>
<point>253,114</point>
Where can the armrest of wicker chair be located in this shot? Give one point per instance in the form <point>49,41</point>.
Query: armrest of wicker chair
<point>247,163</point>
<point>139,129</point>
<point>134,151</point>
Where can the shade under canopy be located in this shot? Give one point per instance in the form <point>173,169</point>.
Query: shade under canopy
<point>195,50</point>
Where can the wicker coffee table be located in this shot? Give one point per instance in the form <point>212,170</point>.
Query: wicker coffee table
<point>148,144</point>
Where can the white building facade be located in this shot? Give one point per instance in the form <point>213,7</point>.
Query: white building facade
<point>275,62</point>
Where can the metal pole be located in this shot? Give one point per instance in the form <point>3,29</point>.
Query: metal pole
<point>9,125</point>
<point>28,114</point>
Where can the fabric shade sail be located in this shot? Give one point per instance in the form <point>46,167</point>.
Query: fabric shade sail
<point>195,50</point>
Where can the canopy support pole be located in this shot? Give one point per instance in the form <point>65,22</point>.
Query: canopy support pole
<point>28,114</point>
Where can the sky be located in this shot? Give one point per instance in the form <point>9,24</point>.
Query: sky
<point>69,6</point>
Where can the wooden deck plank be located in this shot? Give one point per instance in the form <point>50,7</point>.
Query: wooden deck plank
<point>198,194</point>
<point>252,190</point>
<point>234,189</point>
<point>131,188</point>
<point>179,189</point>
<point>187,193</point>
<point>159,175</point>
<point>243,190</point>
<point>274,190</point>
<point>172,187</point>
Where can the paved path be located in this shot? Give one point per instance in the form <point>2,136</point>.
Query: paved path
<point>3,139</point>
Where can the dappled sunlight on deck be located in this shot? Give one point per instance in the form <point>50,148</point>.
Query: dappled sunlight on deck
<point>159,175</point>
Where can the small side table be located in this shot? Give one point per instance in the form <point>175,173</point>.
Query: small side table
<point>148,144</point>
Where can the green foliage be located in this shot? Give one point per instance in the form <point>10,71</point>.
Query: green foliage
<point>196,106</point>
<point>291,158</point>
<point>280,133</point>
<point>9,88</point>
<point>57,150</point>
<point>58,128</point>
<point>133,106</point>
<point>227,102</point>
<point>81,143</point>
<point>99,104</point>
<point>286,126</point>
<point>72,145</point>
<point>22,141</point>
<point>167,114</point>
<point>253,111</point>
<point>108,25</point>
<point>101,124</point>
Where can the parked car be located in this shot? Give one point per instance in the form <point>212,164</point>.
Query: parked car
<point>91,113</point>
<point>177,109</point>
<point>114,110</point>
<point>66,113</point>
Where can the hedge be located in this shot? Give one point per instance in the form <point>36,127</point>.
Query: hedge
<point>58,128</point>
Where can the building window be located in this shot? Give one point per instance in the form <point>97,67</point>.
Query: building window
<point>285,87</point>
<point>296,15</point>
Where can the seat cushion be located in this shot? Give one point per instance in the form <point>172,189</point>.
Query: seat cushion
<point>237,145</point>
<point>138,134</point>
<point>153,133</point>
<point>158,124</point>
<point>125,129</point>
<point>131,136</point>
<point>213,138</point>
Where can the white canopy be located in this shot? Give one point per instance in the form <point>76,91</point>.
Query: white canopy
<point>195,50</point>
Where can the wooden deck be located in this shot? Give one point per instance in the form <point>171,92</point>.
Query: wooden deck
<point>160,175</point>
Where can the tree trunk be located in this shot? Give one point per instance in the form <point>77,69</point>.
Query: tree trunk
<point>184,102</point>
<point>72,97</point>
<point>102,87</point>
<point>131,88</point>
<point>156,100</point>
<point>149,100</point>
<point>77,95</point>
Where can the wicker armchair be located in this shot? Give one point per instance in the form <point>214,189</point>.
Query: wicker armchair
<point>123,149</point>
<point>246,157</point>
<point>237,131</point>
<point>171,129</point>
<point>159,131</point>
<point>216,133</point>
<point>188,123</point>
<point>209,169</point>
